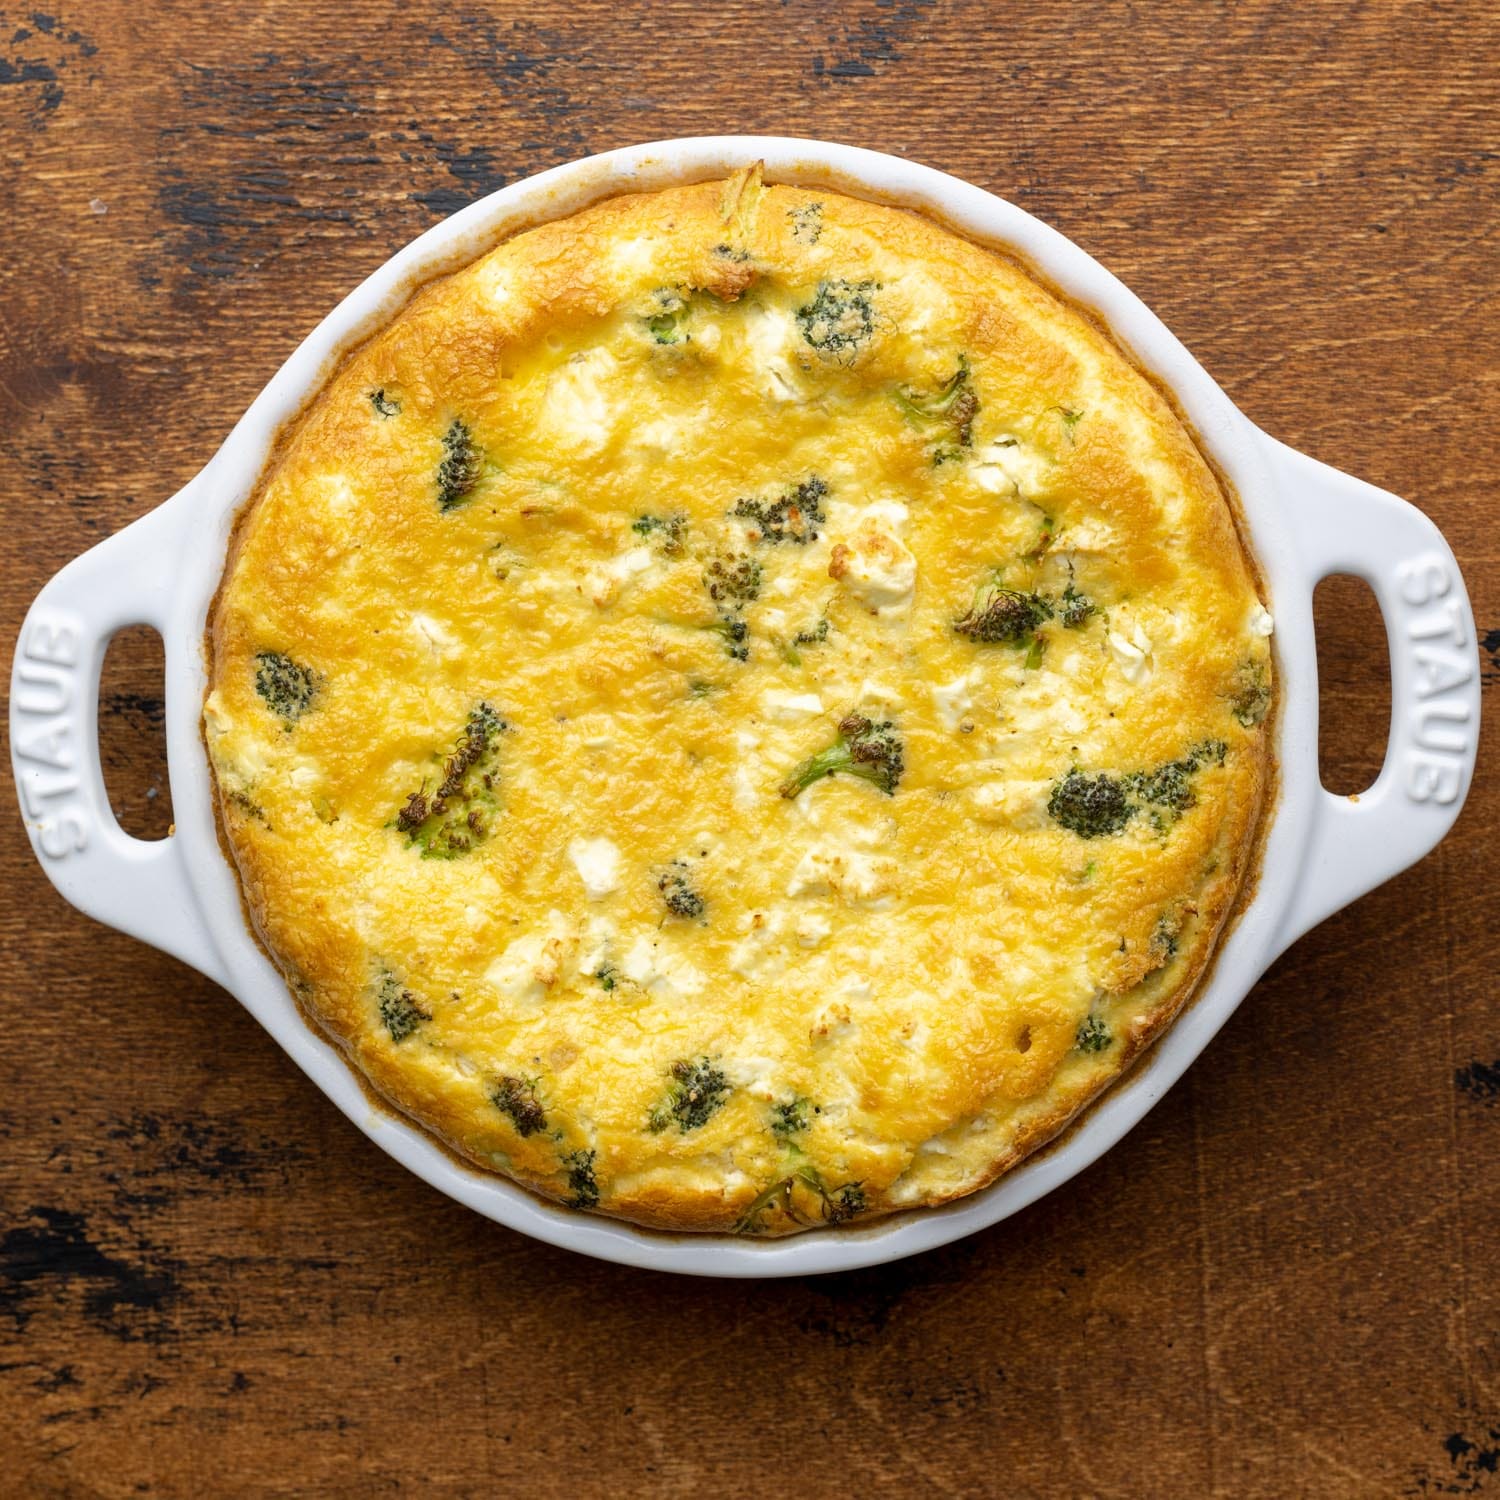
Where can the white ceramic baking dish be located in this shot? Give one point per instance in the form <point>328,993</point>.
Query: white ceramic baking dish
<point>1304,521</point>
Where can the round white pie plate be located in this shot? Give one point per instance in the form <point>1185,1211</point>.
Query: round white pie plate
<point>1305,521</point>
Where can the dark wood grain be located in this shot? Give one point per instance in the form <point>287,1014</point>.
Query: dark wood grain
<point>1283,1283</point>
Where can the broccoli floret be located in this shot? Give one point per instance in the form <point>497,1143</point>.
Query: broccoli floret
<point>807,222</point>
<point>454,818</point>
<point>736,635</point>
<point>385,406</point>
<point>669,310</point>
<point>1252,693</point>
<point>1169,785</point>
<point>794,517</point>
<point>842,1204</point>
<point>1164,938</point>
<point>607,975</point>
<point>836,1205</point>
<point>840,317</point>
<point>790,1117</point>
<point>583,1186</point>
<point>950,411</point>
<point>1093,1035</point>
<point>749,1222</point>
<point>864,748</point>
<point>1090,806</point>
<point>733,580</point>
<point>999,614</point>
<point>462,464</point>
<point>516,1099</point>
<point>246,804</point>
<point>1077,608</point>
<point>668,530</point>
<point>287,687</point>
<point>814,637</point>
<point>677,891</point>
<point>400,1009</point>
<point>697,1090</point>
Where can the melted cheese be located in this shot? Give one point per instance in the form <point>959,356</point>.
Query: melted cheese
<point>505,772</point>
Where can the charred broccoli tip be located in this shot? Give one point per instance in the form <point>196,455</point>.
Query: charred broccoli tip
<point>516,1099</point>
<point>999,614</point>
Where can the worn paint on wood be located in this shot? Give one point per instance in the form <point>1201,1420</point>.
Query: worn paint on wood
<point>1283,1283</point>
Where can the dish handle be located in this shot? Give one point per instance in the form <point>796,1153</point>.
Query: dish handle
<point>137,885</point>
<point>1343,525</point>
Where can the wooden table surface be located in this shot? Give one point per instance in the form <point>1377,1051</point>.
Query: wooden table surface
<point>1284,1283</point>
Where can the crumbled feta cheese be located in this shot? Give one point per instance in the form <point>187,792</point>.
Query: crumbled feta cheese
<point>860,879</point>
<point>604,581</point>
<point>875,695</point>
<point>662,434</point>
<point>215,720</point>
<point>639,963</point>
<point>1007,465</point>
<point>875,566</point>
<point>753,954</point>
<point>1016,804</point>
<point>598,864</point>
<point>894,513</point>
<point>532,964</point>
<point>1261,622</point>
<point>789,708</point>
<point>953,700</point>
<point>746,794</point>
<point>812,928</point>
<point>770,336</point>
<point>1091,534</point>
<point>577,410</point>
<point>1129,645</point>
<point>647,964</point>
<point>633,258</point>
<point>437,638</point>
<point>597,940</point>
<point>833,1021</point>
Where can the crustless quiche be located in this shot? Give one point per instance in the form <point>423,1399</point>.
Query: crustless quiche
<point>740,710</point>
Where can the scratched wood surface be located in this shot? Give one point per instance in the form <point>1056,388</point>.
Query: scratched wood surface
<point>1283,1283</point>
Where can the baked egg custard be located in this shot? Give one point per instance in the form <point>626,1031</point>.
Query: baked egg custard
<point>739,710</point>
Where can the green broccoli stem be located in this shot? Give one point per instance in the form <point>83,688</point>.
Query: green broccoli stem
<point>870,751</point>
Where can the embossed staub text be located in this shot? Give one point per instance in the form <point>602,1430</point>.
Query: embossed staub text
<point>46,712</point>
<point>1435,634</point>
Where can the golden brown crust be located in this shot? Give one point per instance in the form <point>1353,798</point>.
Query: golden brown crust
<point>602,485</point>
